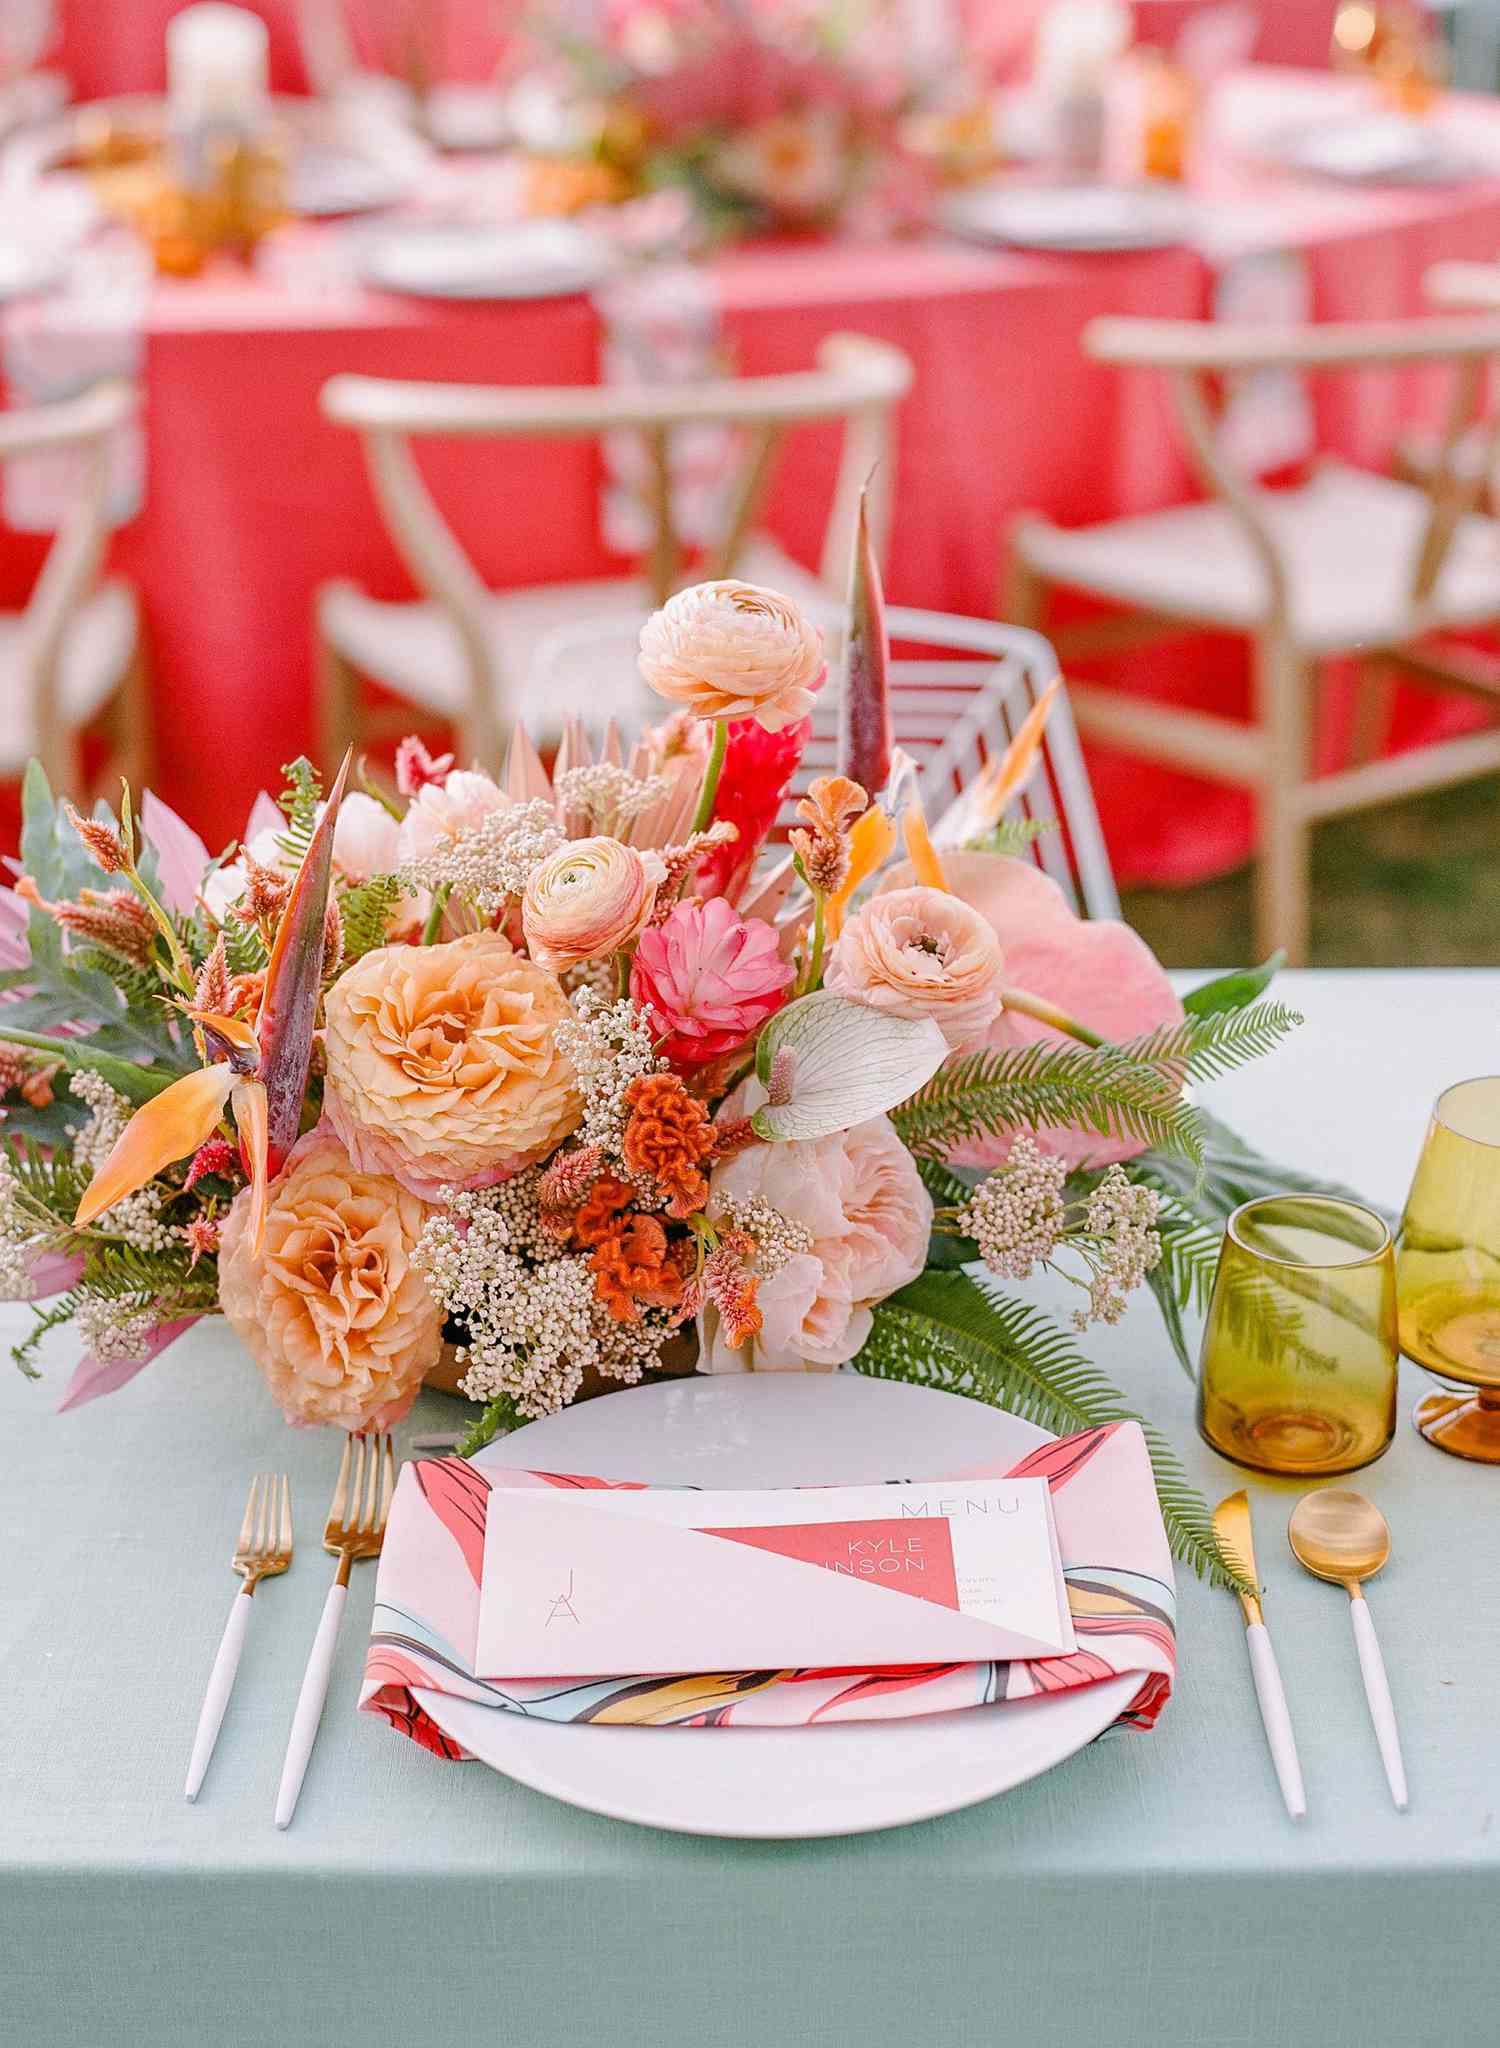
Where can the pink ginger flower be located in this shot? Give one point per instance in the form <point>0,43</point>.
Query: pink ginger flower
<point>708,978</point>
<point>758,767</point>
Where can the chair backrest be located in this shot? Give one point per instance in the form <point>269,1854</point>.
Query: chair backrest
<point>1195,355</point>
<point>960,688</point>
<point>857,381</point>
<point>86,424</point>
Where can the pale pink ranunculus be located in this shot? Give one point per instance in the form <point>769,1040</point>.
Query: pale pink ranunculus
<point>1096,969</point>
<point>441,812</point>
<point>709,978</point>
<point>587,900</point>
<point>859,1196</point>
<point>734,650</point>
<point>919,952</point>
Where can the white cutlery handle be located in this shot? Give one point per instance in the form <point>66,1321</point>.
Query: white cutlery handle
<point>220,1686</point>
<point>1278,1722</point>
<point>1378,1693</point>
<point>310,1700</point>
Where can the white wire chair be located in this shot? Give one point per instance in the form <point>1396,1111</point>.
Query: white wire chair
<point>959,687</point>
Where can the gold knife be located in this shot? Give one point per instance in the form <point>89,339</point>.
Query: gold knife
<point>1232,1527</point>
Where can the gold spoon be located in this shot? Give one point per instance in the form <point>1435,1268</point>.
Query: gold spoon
<point>1339,1535</point>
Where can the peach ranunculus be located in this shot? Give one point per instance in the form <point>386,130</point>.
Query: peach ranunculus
<point>734,650</point>
<point>861,1200</point>
<point>1096,969</point>
<point>332,1309</point>
<point>443,1063</point>
<point>441,812</point>
<point>587,900</point>
<point>920,952</point>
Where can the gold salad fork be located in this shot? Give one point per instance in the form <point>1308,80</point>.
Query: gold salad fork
<point>264,1549</point>
<point>355,1528</point>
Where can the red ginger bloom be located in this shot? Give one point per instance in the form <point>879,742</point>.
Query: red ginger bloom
<point>758,767</point>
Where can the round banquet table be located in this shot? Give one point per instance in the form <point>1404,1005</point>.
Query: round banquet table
<point>252,500</point>
<point>1150,1891</point>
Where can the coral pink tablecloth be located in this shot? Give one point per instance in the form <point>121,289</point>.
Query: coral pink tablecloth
<point>252,500</point>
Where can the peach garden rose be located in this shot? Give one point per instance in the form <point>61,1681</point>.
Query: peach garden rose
<point>332,1308</point>
<point>733,650</point>
<point>443,1066</point>
<point>860,1201</point>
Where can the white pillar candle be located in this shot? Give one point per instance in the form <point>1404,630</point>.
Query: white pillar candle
<point>1077,41</point>
<point>217,67</point>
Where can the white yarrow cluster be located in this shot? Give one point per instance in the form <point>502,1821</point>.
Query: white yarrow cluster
<point>1124,1244</point>
<point>21,1243</point>
<point>114,1329</point>
<point>491,862</point>
<point>608,1045</point>
<point>604,796</point>
<point>135,1219</point>
<point>533,1323</point>
<point>777,1237</point>
<point>1017,1216</point>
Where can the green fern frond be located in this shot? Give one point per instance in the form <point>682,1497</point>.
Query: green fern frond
<point>244,949</point>
<point>1203,1048</point>
<point>947,1331</point>
<point>990,1093</point>
<point>299,803</point>
<point>947,1187</point>
<point>366,911</point>
<point>499,1419</point>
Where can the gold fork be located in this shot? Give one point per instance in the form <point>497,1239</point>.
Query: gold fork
<point>264,1549</point>
<point>355,1528</point>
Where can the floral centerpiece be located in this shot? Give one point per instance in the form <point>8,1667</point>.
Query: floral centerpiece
<point>791,114</point>
<point>566,1074</point>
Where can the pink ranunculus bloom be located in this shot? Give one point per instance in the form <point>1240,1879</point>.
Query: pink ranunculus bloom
<point>1098,970</point>
<point>708,978</point>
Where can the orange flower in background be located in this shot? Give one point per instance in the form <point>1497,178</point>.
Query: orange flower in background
<point>668,1135</point>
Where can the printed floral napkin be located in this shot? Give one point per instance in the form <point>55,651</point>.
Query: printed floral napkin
<point>1116,1564</point>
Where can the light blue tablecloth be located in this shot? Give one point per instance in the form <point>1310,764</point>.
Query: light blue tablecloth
<point>1148,1894</point>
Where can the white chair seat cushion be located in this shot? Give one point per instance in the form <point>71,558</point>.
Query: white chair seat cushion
<point>1349,539</point>
<point>97,650</point>
<point>414,650</point>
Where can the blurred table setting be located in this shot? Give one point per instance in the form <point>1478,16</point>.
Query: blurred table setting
<point>433,276</point>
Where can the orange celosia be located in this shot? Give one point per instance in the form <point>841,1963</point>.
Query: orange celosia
<point>637,1265</point>
<point>668,1134</point>
<point>595,1220</point>
<point>830,808</point>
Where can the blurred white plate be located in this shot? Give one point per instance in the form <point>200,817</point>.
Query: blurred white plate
<point>1082,218</point>
<point>466,117</point>
<point>1376,149</point>
<point>534,259</point>
<point>326,182</point>
<point>843,1778</point>
<point>26,272</point>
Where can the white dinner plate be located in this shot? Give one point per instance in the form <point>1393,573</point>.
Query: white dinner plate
<point>530,259</point>
<point>1077,218</point>
<point>1371,149</point>
<point>842,1778</point>
<point>326,182</point>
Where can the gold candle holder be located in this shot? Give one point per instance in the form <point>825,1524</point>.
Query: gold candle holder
<point>1299,1358</point>
<point>1448,1270</point>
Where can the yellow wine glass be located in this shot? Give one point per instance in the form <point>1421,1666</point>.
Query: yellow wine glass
<point>1299,1359</point>
<point>1448,1270</point>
